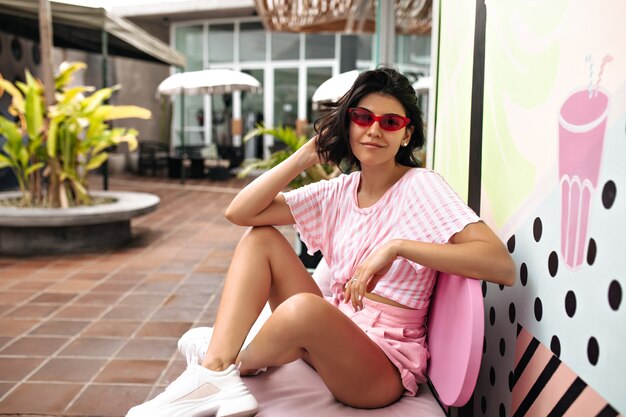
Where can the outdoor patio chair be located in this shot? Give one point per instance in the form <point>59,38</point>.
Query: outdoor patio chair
<point>455,338</point>
<point>218,167</point>
<point>152,156</point>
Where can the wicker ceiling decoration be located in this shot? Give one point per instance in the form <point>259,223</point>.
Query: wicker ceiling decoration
<point>349,16</point>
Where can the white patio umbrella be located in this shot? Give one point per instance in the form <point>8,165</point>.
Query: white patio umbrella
<point>334,88</point>
<point>211,81</point>
<point>423,84</point>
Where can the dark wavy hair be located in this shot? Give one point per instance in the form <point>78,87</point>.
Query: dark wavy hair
<point>333,128</point>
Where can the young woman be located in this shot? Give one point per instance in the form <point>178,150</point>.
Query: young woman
<point>384,230</point>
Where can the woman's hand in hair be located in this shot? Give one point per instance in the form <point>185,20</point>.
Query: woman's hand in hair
<point>309,151</point>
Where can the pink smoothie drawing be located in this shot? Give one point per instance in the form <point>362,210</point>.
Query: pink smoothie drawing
<point>582,123</point>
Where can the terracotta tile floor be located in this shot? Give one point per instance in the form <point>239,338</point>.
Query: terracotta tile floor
<point>93,334</point>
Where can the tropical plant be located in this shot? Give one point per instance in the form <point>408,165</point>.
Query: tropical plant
<point>53,150</point>
<point>293,142</point>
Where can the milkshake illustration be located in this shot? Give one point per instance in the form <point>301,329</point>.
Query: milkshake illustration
<point>582,123</point>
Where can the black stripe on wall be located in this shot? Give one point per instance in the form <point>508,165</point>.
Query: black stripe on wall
<point>526,357</point>
<point>476,121</point>
<point>538,386</point>
<point>568,398</point>
<point>607,411</point>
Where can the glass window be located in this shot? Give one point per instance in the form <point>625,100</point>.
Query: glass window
<point>285,97</point>
<point>413,49</point>
<point>251,41</point>
<point>194,121</point>
<point>364,48</point>
<point>222,106</point>
<point>320,46</point>
<point>189,42</point>
<point>221,43</point>
<point>315,77</point>
<point>285,45</point>
<point>251,114</point>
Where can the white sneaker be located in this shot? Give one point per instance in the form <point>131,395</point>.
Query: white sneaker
<point>194,344</point>
<point>199,392</point>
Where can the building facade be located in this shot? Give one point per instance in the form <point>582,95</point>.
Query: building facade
<point>290,66</point>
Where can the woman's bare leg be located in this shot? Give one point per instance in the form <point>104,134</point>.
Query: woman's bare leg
<point>354,368</point>
<point>264,267</point>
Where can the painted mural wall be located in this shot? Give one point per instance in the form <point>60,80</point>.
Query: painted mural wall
<point>454,90</point>
<point>554,188</point>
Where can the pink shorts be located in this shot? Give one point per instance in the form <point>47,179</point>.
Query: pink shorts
<point>400,333</point>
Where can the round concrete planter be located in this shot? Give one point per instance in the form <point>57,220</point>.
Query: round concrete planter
<point>42,231</point>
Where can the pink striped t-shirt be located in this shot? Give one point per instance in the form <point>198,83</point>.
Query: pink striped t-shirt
<point>420,206</point>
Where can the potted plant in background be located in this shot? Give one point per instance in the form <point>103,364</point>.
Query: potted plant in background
<point>52,151</point>
<point>291,142</point>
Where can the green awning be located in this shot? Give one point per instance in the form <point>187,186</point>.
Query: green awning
<point>79,27</point>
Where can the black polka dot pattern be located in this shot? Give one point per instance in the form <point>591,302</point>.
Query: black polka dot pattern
<point>484,288</point>
<point>553,264</point>
<point>510,244</point>
<point>537,229</point>
<point>523,274</point>
<point>538,309</point>
<point>544,262</point>
<point>593,351</point>
<point>609,191</point>
<point>570,303</point>
<point>555,346</point>
<point>615,295</point>
<point>592,250</point>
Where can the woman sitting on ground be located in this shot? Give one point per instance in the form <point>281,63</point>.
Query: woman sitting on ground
<point>385,230</point>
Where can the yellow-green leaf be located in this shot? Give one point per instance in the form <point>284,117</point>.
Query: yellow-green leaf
<point>5,162</point>
<point>107,112</point>
<point>23,156</point>
<point>95,100</point>
<point>81,191</point>
<point>129,138</point>
<point>252,133</point>
<point>34,109</point>
<point>34,168</point>
<point>70,94</point>
<point>18,98</point>
<point>51,141</point>
<point>67,69</point>
<point>10,130</point>
<point>96,161</point>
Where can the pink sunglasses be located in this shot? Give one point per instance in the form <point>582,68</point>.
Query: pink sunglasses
<point>365,118</point>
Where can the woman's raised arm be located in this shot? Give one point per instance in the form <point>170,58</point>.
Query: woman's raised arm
<point>260,202</point>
